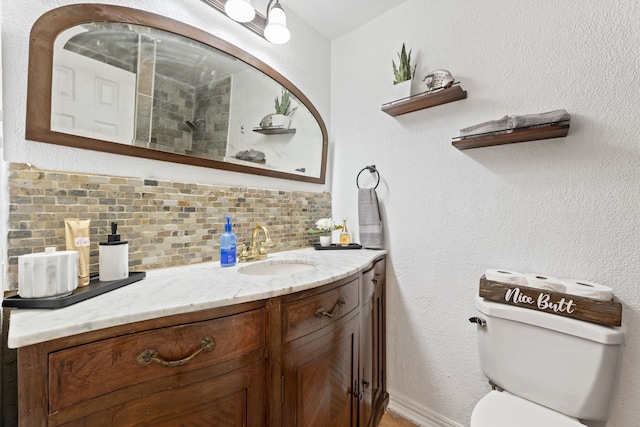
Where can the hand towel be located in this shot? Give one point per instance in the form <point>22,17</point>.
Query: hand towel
<point>251,156</point>
<point>547,118</point>
<point>500,125</point>
<point>369,218</point>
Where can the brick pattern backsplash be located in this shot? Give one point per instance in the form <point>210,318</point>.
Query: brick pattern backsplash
<point>166,223</point>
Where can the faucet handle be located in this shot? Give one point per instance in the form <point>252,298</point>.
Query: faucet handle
<point>263,248</point>
<point>244,253</point>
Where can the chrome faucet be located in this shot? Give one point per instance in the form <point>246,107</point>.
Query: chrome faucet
<point>255,252</point>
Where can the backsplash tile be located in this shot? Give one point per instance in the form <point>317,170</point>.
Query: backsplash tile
<point>166,223</point>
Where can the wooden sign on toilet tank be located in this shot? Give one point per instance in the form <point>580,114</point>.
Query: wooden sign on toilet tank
<point>590,310</point>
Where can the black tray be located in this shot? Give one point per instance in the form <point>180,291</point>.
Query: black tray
<point>337,247</point>
<point>95,287</point>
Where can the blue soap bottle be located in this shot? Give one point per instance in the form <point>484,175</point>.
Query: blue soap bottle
<point>228,246</point>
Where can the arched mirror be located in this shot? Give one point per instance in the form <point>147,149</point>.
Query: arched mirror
<point>125,81</point>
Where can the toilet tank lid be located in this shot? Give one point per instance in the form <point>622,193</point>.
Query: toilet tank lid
<point>579,328</point>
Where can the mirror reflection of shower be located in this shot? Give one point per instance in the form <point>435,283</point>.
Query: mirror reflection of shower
<point>194,124</point>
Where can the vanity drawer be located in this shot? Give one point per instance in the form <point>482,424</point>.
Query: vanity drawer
<point>307,315</point>
<point>90,370</point>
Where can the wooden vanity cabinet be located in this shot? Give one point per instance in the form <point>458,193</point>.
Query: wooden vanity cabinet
<point>312,358</point>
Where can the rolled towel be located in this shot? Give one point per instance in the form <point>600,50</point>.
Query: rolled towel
<point>369,219</point>
<point>505,276</point>
<point>500,125</point>
<point>544,282</point>
<point>547,118</point>
<point>251,156</point>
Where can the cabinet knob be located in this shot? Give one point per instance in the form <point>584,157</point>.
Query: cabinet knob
<point>206,344</point>
<point>365,383</point>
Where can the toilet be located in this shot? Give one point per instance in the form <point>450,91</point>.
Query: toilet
<point>545,369</point>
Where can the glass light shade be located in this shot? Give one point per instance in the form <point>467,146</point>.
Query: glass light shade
<point>276,30</point>
<point>240,10</point>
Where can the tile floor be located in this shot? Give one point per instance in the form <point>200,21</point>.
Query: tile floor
<point>393,420</point>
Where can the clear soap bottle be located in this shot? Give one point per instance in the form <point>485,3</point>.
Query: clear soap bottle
<point>228,246</point>
<point>345,237</point>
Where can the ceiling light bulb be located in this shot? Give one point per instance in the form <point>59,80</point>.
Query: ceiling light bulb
<point>276,30</point>
<point>240,10</point>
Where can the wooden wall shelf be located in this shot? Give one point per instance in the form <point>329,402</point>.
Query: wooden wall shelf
<point>274,131</point>
<point>521,135</point>
<point>424,100</point>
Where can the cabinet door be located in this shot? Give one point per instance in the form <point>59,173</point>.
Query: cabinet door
<point>372,348</point>
<point>378,380</point>
<point>367,362</point>
<point>320,378</point>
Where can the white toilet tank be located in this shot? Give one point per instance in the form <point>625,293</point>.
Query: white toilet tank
<point>568,365</point>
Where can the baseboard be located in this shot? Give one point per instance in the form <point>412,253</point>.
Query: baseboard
<point>418,414</point>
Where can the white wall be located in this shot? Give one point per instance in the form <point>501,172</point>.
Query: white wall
<point>305,61</point>
<point>566,207</point>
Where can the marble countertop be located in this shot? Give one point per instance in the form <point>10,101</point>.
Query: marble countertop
<point>184,289</point>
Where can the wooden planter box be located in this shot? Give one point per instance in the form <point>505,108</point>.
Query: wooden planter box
<point>607,313</point>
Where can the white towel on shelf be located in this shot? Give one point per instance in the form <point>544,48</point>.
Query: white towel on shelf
<point>549,117</point>
<point>369,219</point>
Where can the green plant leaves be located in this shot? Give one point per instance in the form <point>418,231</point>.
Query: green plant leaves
<point>402,71</point>
<point>283,104</point>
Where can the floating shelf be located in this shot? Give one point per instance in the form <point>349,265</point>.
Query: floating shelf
<point>274,131</point>
<point>424,100</point>
<point>530,134</point>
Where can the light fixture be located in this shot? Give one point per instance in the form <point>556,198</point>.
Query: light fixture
<point>240,10</point>
<point>276,30</point>
<point>273,27</point>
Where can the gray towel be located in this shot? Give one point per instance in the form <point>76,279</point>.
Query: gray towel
<point>554,116</point>
<point>502,124</point>
<point>369,218</point>
<point>251,156</point>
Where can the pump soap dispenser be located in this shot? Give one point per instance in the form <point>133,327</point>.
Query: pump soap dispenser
<point>228,246</point>
<point>114,257</point>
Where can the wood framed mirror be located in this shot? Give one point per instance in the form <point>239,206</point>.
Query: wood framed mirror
<point>125,81</point>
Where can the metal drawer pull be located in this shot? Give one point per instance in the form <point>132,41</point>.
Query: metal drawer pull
<point>375,278</point>
<point>206,344</point>
<point>336,307</point>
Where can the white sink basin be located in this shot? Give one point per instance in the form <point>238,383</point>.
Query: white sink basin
<point>276,267</point>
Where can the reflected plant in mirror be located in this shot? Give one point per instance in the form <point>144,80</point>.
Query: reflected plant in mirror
<point>130,82</point>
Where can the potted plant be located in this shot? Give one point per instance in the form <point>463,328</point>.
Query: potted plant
<point>324,227</point>
<point>284,111</point>
<point>403,74</point>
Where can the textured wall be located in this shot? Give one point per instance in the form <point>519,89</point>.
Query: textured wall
<point>566,207</point>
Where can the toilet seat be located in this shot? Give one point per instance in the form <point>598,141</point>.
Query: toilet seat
<point>503,409</point>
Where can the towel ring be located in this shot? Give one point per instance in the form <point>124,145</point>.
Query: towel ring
<point>371,169</point>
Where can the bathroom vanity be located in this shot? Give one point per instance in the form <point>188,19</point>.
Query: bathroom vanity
<point>297,340</point>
